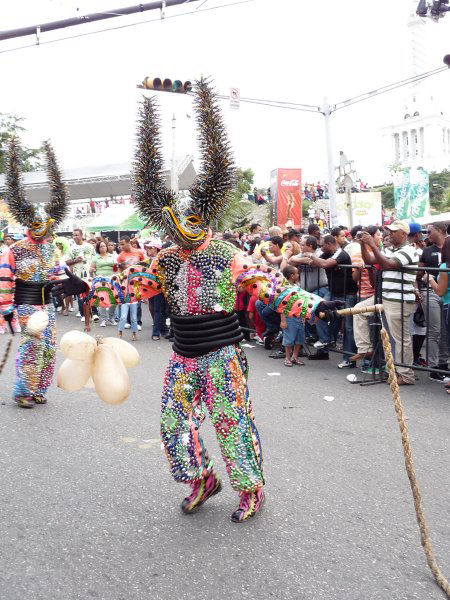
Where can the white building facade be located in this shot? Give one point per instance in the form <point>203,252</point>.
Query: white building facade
<point>420,137</point>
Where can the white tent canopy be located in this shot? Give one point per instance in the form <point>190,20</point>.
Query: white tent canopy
<point>98,182</point>
<point>441,218</point>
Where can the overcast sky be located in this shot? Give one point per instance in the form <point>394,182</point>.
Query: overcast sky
<point>81,93</point>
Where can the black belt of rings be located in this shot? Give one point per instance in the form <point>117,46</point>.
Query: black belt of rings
<point>32,292</point>
<point>196,335</point>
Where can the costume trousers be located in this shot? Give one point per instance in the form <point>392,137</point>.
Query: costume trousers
<point>35,361</point>
<point>217,383</point>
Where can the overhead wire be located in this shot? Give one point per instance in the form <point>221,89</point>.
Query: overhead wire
<point>126,25</point>
<point>388,87</point>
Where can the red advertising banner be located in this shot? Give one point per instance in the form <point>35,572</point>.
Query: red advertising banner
<point>289,198</point>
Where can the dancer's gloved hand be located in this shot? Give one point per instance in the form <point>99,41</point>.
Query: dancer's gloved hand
<point>73,286</point>
<point>326,310</point>
<point>9,319</point>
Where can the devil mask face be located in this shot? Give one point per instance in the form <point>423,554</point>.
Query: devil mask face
<point>185,217</point>
<point>181,223</point>
<point>39,230</point>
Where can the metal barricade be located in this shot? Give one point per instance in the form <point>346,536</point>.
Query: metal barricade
<point>312,280</point>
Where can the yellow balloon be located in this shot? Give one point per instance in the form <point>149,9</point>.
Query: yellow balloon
<point>77,345</point>
<point>127,352</point>
<point>73,374</point>
<point>110,377</point>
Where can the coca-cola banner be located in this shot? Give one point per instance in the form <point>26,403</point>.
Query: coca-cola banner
<point>289,197</point>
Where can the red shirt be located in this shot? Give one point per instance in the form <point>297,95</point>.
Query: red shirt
<point>130,258</point>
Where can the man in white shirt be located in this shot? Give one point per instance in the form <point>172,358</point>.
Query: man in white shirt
<point>399,294</point>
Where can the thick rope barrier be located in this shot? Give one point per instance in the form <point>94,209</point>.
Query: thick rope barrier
<point>424,535</point>
<point>6,354</point>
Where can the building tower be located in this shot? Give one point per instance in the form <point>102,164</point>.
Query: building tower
<point>420,137</point>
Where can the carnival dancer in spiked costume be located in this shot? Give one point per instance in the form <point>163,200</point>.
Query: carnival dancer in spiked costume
<point>26,269</point>
<point>199,277</point>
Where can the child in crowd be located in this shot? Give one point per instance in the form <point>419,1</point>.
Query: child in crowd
<point>293,327</point>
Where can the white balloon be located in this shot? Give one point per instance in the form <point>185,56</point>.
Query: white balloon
<point>127,352</point>
<point>73,374</point>
<point>110,377</point>
<point>77,345</point>
<point>37,322</point>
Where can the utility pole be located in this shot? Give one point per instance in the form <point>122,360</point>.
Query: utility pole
<point>326,111</point>
<point>173,170</point>
<point>90,18</point>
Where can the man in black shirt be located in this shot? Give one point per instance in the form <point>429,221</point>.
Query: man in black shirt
<point>432,303</point>
<point>340,287</point>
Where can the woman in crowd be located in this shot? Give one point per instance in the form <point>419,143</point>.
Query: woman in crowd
<point>103,266</point>
<point>157,305</point>
<point>62,253</point>
<point>442,288</point>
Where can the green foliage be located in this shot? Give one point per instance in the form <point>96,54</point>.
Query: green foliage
<point>306,204</point>
<point>387,195</point>
<point>238,213</point>
<point>440,191</point>
<point>12,125</point>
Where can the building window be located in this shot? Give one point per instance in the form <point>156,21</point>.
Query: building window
<point>397,147</point>
<point>421,142</point>
<point>405,144</point>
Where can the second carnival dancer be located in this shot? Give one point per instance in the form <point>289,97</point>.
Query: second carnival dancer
<point>26,269</point>
<point>199,277</point>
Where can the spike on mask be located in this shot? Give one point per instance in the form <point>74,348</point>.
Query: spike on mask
<point>185,217</point>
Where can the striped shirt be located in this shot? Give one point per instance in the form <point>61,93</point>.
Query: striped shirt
<point>393,281</point>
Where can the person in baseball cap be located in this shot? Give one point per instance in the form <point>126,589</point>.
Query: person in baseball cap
<point>399,226</point>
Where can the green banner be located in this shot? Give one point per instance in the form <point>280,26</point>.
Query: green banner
<point>420,193</point>
<point>411,194</point>
<point>402,194</point>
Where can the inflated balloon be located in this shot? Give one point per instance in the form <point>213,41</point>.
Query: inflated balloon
<point>127,352</point>
<point>110,377</point>
<point>77,345</point>
<point>37,322</point>
<point>73,374</point>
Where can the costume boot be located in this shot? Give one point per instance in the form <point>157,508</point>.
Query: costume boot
<point>201,491</point>
<point>24,401</point>
<point>39,399</point>
<point>249,505</point>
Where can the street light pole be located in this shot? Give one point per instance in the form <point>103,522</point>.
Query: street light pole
<point>173,170</point>
<point>326,111</point>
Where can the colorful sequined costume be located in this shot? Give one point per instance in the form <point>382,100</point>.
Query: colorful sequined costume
<point>26,271</point>
<point>30,261</point>
<point>199,277</point>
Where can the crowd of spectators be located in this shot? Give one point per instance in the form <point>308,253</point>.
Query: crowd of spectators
<point>391,264</point>
<point>396,264</point>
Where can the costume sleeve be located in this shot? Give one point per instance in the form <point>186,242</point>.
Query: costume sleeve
<point>7,279</point>
<point>136,283</point>
<point>268,285</point>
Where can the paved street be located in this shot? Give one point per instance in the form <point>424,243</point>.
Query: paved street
<point>88,509</point>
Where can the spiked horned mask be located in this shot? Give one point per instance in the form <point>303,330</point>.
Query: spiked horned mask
<point>185,216</point>
<point>26,213</point>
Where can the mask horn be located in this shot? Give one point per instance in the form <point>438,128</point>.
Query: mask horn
<point>58,205</point>
<point>21,209</point>
<point>210,192</point>
<point>149,184</point>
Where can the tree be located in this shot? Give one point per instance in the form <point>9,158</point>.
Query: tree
<point>238,213</point>
<point>12,125</point>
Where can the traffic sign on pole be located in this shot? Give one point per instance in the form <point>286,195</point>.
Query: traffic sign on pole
<point>235,97</point>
